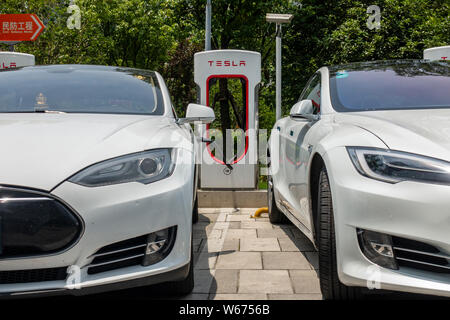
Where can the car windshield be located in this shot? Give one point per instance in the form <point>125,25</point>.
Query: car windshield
<point>80,89</point>
<point>392,85</point>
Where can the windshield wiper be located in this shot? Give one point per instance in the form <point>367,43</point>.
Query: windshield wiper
<point>36,111</point>
<point>48,111</point>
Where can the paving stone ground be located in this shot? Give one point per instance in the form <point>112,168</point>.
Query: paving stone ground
<point>241,258</point>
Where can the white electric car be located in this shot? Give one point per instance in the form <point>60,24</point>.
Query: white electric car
<point>362,167</point>
<point>97,181</point>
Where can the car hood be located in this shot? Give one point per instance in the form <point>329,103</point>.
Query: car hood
<point>42,150</point>
<point>425,132</point>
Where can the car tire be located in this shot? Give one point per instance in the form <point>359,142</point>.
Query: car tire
<point>195,214</point>
<point>275,215</point>
<point>184,287</point>
<point>331,287</point>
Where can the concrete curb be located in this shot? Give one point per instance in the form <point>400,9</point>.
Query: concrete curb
<point>232,199</point>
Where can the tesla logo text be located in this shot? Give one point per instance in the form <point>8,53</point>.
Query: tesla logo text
<point>6,66</point>
<point>227,63</point>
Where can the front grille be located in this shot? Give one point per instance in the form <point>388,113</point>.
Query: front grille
<point>35,224</point>
<point>119,255</point>
<point>35,275</point>
<point>419,255</point>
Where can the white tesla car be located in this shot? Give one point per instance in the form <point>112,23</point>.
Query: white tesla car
<point>362,167</point>
<point>97,181</point>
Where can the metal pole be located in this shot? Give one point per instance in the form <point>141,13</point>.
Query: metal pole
<point>11,45</point>
<point>208,26</point>
<point>279,72</point>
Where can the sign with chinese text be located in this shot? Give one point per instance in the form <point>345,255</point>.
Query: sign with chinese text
<point>20,27</point>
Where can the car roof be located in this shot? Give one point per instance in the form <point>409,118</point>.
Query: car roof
<point>383,64</point>
<point>80,67</point>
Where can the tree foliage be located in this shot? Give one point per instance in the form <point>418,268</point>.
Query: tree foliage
<point>164,34</point>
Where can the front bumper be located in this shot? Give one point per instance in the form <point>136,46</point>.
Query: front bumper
<point>409,210</point>
<point>174,275</point>
<point>113,214</point>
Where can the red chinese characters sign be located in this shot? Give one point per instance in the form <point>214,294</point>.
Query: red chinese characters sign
<point>20,27</point>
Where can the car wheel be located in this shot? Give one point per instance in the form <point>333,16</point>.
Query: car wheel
<point>184,287</point>
<point>275,215</point>
<point>332,288</point>
<point>195,215</point>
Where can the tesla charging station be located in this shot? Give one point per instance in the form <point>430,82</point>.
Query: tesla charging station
<point>437,54</point>
<point>228,82</point>
<point>15,60</point>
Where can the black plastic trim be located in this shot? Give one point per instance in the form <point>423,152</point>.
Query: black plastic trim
<point>174,275</point>
<point>51,196</point>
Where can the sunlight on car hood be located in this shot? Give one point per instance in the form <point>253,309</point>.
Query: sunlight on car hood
<point>425,132</point>
<point>42,150</point>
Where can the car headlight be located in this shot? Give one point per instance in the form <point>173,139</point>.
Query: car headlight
<point>145,167</point>
<point>394,166</point>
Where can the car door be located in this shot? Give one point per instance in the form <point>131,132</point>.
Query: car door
<point>277,159</point>
<point>298,135</point>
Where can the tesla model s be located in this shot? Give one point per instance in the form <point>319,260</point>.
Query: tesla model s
<point>97,181</point>
<point>362,167</point>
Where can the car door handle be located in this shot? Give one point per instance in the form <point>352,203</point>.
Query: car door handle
<point>291,133</point>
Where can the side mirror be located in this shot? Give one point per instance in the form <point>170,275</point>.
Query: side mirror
<point>198,113</point>
<point>304,110</point>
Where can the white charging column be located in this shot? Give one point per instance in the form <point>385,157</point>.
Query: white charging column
<point>10,60</point>
<point>437,54</point>
<point>242,70</point>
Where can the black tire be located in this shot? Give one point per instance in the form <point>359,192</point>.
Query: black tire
<point>332,288</point>
<point>184,287</point>
<point>275,215</point>
<point>195,215</point>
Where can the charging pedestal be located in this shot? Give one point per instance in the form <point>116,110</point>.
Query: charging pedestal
<point>228,82</point>
<point>10,60</point>
<point>437,54</point>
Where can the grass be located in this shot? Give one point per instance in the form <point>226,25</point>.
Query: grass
<point>262,185</point>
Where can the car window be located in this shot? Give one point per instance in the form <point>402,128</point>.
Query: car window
<point>313,92</point>
<point>80,89</point>
<point>391,85</point>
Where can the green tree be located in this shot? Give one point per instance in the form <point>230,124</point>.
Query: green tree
<point>164,35</point>
<point>336,32</point>
<point>239,24</point>
<point>130,33</point>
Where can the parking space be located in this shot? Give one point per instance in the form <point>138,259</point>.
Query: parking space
<point>241,258</point>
